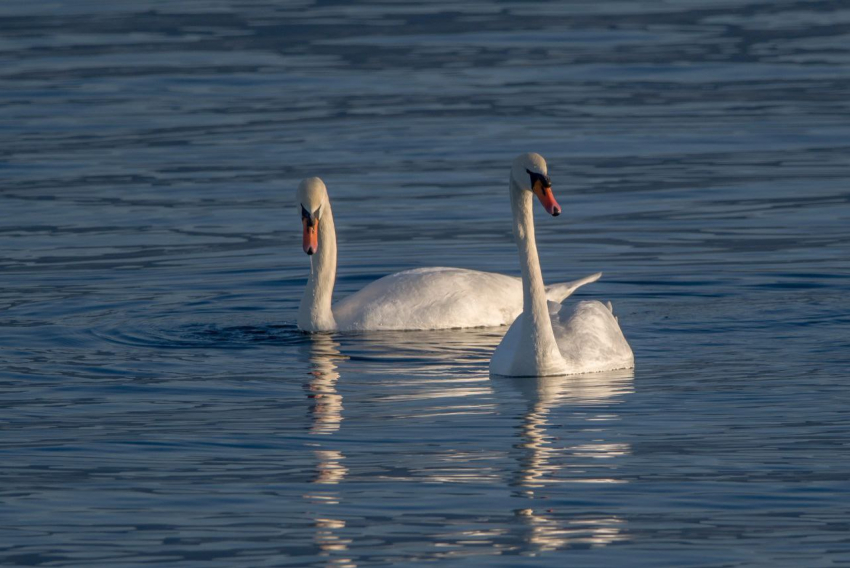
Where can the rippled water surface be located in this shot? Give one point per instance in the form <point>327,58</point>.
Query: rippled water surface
<point>158,405</point>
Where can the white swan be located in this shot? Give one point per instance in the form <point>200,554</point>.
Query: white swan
<point>548,338</point>
<point>422,298</point>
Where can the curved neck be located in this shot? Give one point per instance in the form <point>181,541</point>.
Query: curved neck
<point>536,335</point>
<point>315,313</point>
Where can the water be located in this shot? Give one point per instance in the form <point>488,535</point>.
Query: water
<point>158,405</point>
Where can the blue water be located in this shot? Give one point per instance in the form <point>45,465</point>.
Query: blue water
<point>157,404</point>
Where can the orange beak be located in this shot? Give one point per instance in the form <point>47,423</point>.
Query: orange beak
<point>547,198</point>
<point>310,239</point>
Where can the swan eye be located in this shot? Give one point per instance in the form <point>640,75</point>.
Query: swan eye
<point>310,219</point>
<point>307,217</point>
<point>544,180</point>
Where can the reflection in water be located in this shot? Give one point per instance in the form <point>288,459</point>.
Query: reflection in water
<point>330,469</point>
<point>321,389</point>
<point>326,414</point>
<point>547,532</point>
<point>429,375</point>
<point>542,462</point>
<point>328,540</point>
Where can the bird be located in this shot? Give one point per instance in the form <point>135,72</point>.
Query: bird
<point>418,299</point>
<point>550,338</point>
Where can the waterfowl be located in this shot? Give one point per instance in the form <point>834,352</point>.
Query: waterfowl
<point>550,338</point>
<point>418,299</point>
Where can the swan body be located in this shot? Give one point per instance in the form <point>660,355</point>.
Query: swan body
<point>439,298</point>
<point>588,339</point>
<point>418,299</point>
<point>549,338</point>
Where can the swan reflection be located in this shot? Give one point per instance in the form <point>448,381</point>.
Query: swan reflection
<point>326,410</point>
<point>593,396</point>
<point>547,532</point>
<point>427,374</point>
<point>329,467</point>
<point>545,460</point>
<point>326,419</point>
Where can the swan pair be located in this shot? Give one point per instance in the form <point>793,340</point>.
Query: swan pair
<point>546,338</point>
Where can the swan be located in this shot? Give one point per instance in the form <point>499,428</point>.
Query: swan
<point>548,338</point>
<point>418,299</point>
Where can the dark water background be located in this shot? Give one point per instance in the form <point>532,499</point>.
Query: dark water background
<point>158,405</point>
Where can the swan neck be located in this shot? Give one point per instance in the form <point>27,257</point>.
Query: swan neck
<point>315,312</point>
<point>538,352</point>
<point>533,290</point>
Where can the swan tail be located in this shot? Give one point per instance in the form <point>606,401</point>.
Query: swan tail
<point>560,292</point>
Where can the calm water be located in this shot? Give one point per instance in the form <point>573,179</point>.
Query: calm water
<point>158,405</point>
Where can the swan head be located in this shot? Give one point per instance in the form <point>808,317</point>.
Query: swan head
<point>312,196</point>
<point>529,173</point>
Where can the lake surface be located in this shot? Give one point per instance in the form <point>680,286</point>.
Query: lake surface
<point>157,404</point>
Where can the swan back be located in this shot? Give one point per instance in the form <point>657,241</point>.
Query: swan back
<point>590,339</point>
<point>432,298</point>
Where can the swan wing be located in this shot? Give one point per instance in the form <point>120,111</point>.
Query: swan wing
<point>432,298</point>
<point>590,339</point>
<point>560,292</point>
